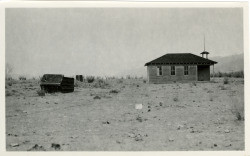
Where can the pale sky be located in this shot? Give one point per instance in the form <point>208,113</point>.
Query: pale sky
<point>115,41</point>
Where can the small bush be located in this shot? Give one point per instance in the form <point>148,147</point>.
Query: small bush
<point>7,93</point>
<point>40,78</point>
<point>100,83</point>
<point>222,87</point>
<point>9,78</point>
<point>120,81</point>
<point>144,81</point>
<point>237,74</point>
<point>238,111</point>
<point>175,99</point>
<point>41,93</point>
<point>77,83</point>
<point>9,83</point>
<point>211,99</point>
<point>97,97</point>
<point>22,78</point>
<point>138,118</point>
<point>114,91</point>
<point>213,81</point>
<point>90,79</point>
<point>225,80</point>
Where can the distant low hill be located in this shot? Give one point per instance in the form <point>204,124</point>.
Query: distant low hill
<point>229,63</point>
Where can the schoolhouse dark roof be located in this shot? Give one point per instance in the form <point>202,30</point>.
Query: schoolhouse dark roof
<point>181,58</point>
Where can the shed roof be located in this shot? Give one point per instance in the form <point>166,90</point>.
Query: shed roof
<point>181,58</point>
<point>52,79</point>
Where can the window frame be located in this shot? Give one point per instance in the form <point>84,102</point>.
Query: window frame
<point>186,70</point>
<point>172,70</point>
<point>159,71</point>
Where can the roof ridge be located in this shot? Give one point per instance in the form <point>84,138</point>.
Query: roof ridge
<point>183,58</point>
<point>178,53</point>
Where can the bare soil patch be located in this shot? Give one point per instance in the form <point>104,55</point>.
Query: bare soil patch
<point>174,116</point>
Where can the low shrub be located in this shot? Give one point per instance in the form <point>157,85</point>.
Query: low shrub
<point>77,83</point>
<point>41,93</point>
<point>237,74</point>
<point>238,110</point>
<point>9,78</point>
<point>100,83</point>
<point>114,91</point>
<point>9,83</point>
<point>138,118</point>
<point>194,84</point>
<point>175,99</point>
<point>222,87</point>
<point>7,93</point>
<point>120,81</point>
<point>144,81</point>
<point>225,80</point>
<point>211,99</point>
<point>22,78</point>
<point>90,79</point>
<point>97,97</point>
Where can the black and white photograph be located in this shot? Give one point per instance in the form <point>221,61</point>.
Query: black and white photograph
<point>125,78</point>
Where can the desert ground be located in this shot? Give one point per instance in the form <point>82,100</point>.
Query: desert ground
<point>101,116</point>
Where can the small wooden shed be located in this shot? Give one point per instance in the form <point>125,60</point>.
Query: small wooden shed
<point>57,82</point>
<point>179,67</point>
<point>79,78</point>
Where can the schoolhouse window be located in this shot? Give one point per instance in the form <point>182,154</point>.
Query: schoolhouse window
<point>185,70</point>
<point>172,70</point>
<point>159,70</point>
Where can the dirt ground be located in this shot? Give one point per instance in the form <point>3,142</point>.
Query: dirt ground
<point>174,117</point>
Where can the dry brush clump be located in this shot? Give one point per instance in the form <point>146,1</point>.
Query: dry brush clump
<point>225,80</point>
<point>120,81</point>
<point>12,92</point>
<point>114,91</point>
<point>175,99</point>
<point>10,82</point>
<point>237,74</point>
<point>222,87</point>
<point>238,111</point>
<point>41,93</point>
<point>22,78</point>
<point>237,108</point>
<point>92,82</point>
<point>90,79</point>
<point>8,93</point>
<point>100,83</point>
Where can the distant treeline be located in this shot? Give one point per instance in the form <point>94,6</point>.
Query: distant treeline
<point>237,74</point>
